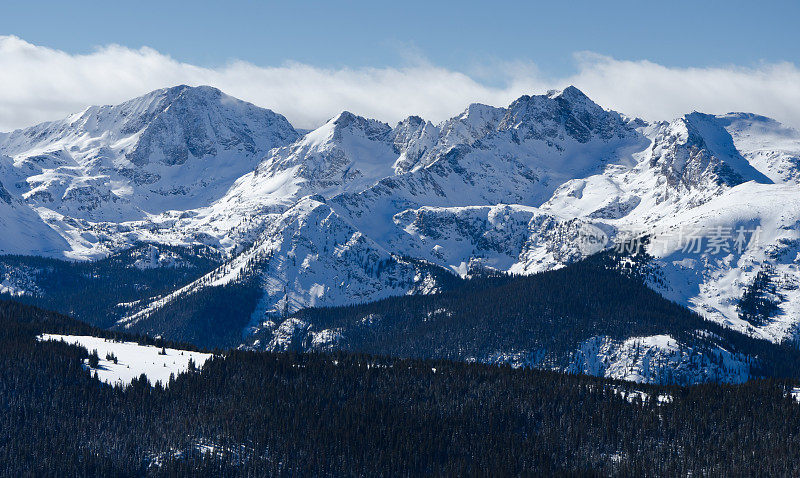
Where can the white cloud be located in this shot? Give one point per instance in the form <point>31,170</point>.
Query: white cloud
<point>652,91</point>
<point>39,84</point>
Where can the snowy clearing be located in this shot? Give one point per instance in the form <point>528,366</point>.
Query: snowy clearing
<point>133,359</point>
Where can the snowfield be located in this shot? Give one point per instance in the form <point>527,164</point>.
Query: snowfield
<point>133,359</point>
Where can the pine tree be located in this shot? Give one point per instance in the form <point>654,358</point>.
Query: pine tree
<point>94,359</point>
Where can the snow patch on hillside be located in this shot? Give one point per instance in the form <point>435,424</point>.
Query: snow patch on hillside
<point>133,359</point>
<point>657,359</point>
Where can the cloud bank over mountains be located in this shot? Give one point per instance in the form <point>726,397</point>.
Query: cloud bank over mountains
<point>40,84</point>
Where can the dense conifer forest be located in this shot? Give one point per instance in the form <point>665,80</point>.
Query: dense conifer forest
<point>92,290</point>
<point>255,414</point>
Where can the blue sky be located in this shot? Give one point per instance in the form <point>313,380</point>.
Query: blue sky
<point>460,35</point>
<point>386,60</point>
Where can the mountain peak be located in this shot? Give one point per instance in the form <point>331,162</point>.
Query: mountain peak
<point>174,91</point>
<point>173,148</point>
<point>347,123</point>
<point>345,118</point>
<point>570,98</point>
<point>569,93</point>
<point>697,147</point>
<point>770,146</point>
<point>194,121</point>
<point>411,121</point>
<point>347,151</point>
<point>480,109</point>
<point>545,116</point>
<point>158,100</point>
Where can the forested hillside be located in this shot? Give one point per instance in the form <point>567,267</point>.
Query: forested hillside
<point>558,319</point>
<point>256,414</point>
<point>98,292</point>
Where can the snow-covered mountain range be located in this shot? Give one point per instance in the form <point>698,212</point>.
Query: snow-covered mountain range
<point>357,210</point>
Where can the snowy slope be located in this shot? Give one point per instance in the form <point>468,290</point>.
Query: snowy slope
<point>24,231</point>
<point>489,157</point>
<point>173,149</point>
<point>772,148</point>
<point>307,256</point>
<point>657,359</point>
<point>348,153</point>
<point>760,228</point>
<point>133,359</point>
<point>692,184</point>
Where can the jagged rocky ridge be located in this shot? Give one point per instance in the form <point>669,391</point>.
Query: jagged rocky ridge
<point>357,210</point>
